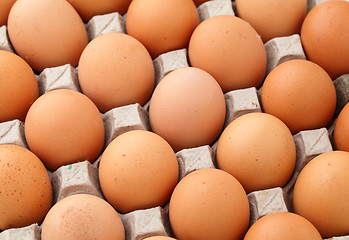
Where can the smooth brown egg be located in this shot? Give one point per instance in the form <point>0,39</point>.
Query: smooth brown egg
<point>341,130</point>
<point>63,127</point>
<point>282,225</point>
<point>321,193</point>
<point>209,204</point>
<point>301,94</point>
<point>163,25</point>
<point>230,50</point>
<point>19,88</point>
<point>258,150</point>
<point>47,33</point>
<point>138,170</point>
<point>187,108</point>
<point>82,216</point>
<point>324,36</point>
<point>5,7</point>
<point>115,69</point>
<point>88,9</point>
<point>25,193</point>
<point>273,18</point>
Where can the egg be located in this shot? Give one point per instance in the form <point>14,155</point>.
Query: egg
<point>88,9</point>
<point>163,25</point>
<point>19,88</point>
<point>199,2</point>
<point>187,108</point>
<point>209,204</point>
<point>273,18</point>
<point>282,225</point>
<point>46,33</point>
<point>229,49</point>
<point>138,170</point>
<point>5,7</point>
<point>258,150</point>
<point>341,130</point>
<point>63,127</point>
<point>324,37</point>
<point>301,94</point>
<point>115,70</point>
<point>26,193</point>
<point>321,193</point>
<point>82,216</point>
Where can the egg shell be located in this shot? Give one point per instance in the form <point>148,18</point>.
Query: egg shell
<point>321,193</point>
<point>63,127</point>
<point>99,7</point>
<point>229,49</point>
<point>46,33</point>
<point>285,225</point>
<point>209,204</point>
<point>258,150</point>
<point>273,18</point>
<point>301,94</point>
<point>324,36</point>
<point>19,88</point>
<point>341,130</point>
<point>162,25</point>
<point>26,193</point>
<point>187,108</point>
<point>138,170</point>
<point>82,216</point>
<point>115,70</point>
<point>5,7</point>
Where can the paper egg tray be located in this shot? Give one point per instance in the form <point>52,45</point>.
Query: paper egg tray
<point>82,177</point>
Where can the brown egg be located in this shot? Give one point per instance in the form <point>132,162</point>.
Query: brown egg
<point>82,216</point>
<point>19,88</point>
<point>301,94</point>
<point>25,193</point>
<point>230,50</point>
<point>199,2</point>
<point>163,25</point>
<point>324,36</point>
<point>341,130</point>
<point>258,150</point>
<point>282,225</point>
<point>138,170</point>
<point>88,9</point>
<point>321,193</point>
<point>5,7</point>
<point>209,204</point>
<point>187,108</point>
<point>115,70</point>
<point>46,33</point>
<point>273,18</point>
<point>63,127</point>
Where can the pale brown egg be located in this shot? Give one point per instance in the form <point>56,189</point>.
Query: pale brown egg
<point>282,225</point>
<point>5,7</point>
<point>209,204</point>
<point>187,108</point>
<point>115,69</point>
<point>138,170</point>
<point>25,193</point>
<point>19,88</point>
<point>82,216</point>
<point>324,36</point>
<point>341,130</point>
<point>63,127</point>
<point>88,9</point>
<point>301,94</point>
<point>47,33</point>
<point>273,18</point>
<point>163,25</point>
<point>229,49</point>
<point>258,150</point>
<point>321,193</point>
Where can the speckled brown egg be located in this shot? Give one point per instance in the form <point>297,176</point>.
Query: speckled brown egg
<point>25,193</point>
